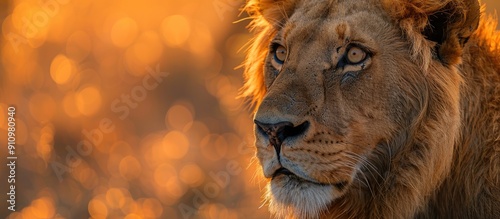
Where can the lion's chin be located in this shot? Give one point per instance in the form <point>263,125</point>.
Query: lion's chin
<point>292,197</point>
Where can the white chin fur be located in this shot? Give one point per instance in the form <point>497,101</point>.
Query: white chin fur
<point>292,198</point>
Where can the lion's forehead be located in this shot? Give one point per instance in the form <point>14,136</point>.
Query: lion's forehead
<point>335,9</point>
<point>332,23</point>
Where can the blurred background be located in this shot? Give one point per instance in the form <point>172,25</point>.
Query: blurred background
<point>128,109</point>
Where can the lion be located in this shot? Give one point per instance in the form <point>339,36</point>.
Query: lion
<point>376,108</point>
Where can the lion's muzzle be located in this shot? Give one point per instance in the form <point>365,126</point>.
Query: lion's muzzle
<point>278,132</point>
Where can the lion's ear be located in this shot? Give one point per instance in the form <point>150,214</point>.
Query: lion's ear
<point>446,24</point>
<point>274,12</point>
<point>451,26</point>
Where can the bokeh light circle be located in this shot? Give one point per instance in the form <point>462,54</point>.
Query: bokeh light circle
<point>97,208</point>
<point>43,207</point>
<point>130,168</point>
<point>88,100</point>
<point>175,30</point>
<point>62,69</point>
<point>192,175</point>
<point>179,117</point>
<point>175,145</point>
<point>124,32</point>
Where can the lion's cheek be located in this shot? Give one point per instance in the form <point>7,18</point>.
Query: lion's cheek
<point>342,175</point>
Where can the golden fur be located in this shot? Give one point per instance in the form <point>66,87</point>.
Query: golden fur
<point>412,131</point>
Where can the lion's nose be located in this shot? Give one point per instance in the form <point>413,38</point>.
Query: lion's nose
<point>280,131</point>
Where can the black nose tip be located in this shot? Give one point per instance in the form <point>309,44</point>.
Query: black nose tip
<point>278,132</point>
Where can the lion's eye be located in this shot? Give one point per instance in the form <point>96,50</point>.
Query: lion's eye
<point>355,55</point>
<point>279,57</point>
<point>280,54</point>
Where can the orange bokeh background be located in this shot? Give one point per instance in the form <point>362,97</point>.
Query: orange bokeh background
<point>128,109</point>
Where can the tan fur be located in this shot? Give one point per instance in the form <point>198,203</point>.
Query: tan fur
<point>414,134</point>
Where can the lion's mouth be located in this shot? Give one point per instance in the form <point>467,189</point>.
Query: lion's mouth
<point>285,172</point>
<point>282,171</point>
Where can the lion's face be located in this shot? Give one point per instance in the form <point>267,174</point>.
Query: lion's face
<point>337,81</point>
